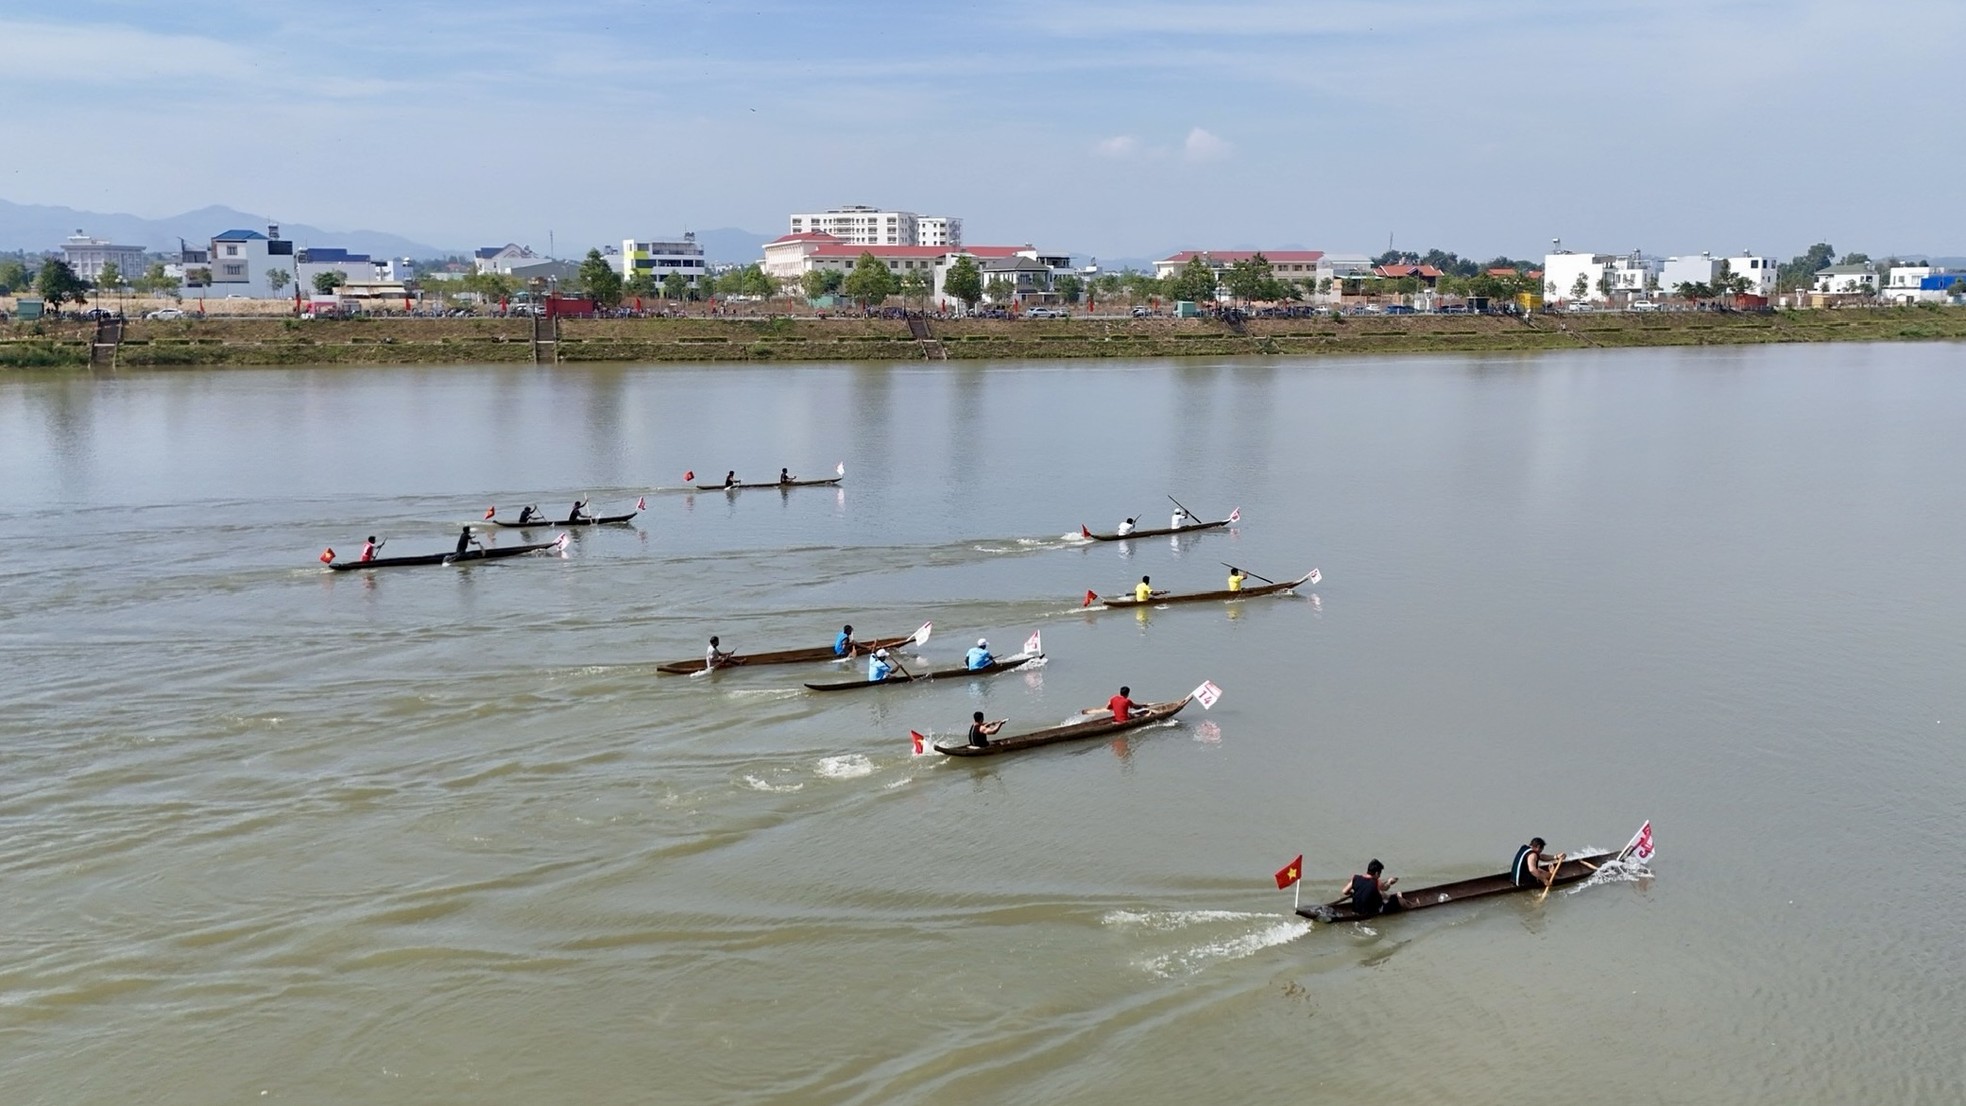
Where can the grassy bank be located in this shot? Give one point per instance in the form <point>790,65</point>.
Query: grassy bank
<point>272,341</point>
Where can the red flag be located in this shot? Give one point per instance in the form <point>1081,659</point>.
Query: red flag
<point>642,504</point>
<point>689,477</point>
<point>327,555</point>
<point>1085,533</point>
<point>916,734</point>
<point>1291,872</point>
<point>490,511</point>
<point>1089,597</point>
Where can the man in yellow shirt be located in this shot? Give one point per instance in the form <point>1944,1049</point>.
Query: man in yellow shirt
<point>1235,578</point>
<point>1143,591</point>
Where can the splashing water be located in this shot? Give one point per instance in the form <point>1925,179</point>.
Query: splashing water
<point>757,784</point>
<point>849,767</point>
<point>1614,871</point>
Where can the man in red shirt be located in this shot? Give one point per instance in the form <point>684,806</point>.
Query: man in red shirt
<point>1120,704</point>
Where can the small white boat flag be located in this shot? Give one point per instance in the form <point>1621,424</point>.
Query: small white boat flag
<point>1034,645</point>
<point>1207,693</point>
<point>1639,848</point>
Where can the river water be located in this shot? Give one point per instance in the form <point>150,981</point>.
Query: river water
<point>442,835</point>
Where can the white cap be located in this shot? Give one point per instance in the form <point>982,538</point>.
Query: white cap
<point>984,642</point>
<point>880,652</point>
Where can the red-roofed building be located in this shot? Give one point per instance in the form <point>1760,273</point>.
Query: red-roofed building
<point>790,257</point>
<point>1427,274</point>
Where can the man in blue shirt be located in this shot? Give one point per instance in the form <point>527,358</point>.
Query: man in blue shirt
<point>979,657</point>
<point>843,645</point>
<point>878,668</point>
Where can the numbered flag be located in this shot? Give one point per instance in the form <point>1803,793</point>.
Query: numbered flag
<point>918,739</point>
<point>327,555</point>
<point>840,469</point>
<point>689,476</point>
<point>642,503</point>
<point>490,511</point>
<point>1235,515</point>
<point>1639,848</point>
<point>1035,645</point>
<point>1291,872</point>
<point>1206,694</point>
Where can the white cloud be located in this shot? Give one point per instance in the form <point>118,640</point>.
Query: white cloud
<point>31,51</point>
<point>1118,146</point>
<point>1203,146</point>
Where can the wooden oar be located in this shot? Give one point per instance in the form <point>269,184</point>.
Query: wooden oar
<point>1550,880</point>
<point>1246,572</point>
<point>1193,519</point>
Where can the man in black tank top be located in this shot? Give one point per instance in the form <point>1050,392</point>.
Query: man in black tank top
<point>1372,896</point>
<point>1528,869</point>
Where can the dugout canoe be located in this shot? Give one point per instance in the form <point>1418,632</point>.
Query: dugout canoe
<point>1249,590</point>
<point>1570,871</point>
<point>542,523</point>
<point>1003,664</point>
<point>738,487</point>
<point>1148,714</point>
<point>1086,532</point>
<point>784,656</point>
<point>469,555</point>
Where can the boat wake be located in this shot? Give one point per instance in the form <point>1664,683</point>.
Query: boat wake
<point>1258,932</point>
<point>1030,545</point>
<point>853,766</point>
<point>765,693</point>
<point>1614,871</point>
<point>757,784</point>
<point>1032,665</point>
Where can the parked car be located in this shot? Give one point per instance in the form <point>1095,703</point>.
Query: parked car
<point>1644,305</point>
<point>1143,312</point>
<point>1047,313</point>
<point>165,313</point>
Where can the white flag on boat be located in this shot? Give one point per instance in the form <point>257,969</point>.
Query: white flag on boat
<point>1235,515</point>
<point>1639,848</point>
<point>1034,645</point>
<point>1207,693</point>
<point>840,469</point>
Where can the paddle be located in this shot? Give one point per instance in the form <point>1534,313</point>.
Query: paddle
<point>1549,881</point>
<point>1246,572</point>
<point>1193,518</point>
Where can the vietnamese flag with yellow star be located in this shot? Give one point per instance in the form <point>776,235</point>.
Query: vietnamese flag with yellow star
<point>1291,872</point>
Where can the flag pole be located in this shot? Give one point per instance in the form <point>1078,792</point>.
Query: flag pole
<point>1297,893</point>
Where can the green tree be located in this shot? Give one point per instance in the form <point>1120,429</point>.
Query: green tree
<point>155,279</point>
<point>598,280</point>
<point>14,276</point>
<point>915,286</point>
<point>492,286</point>
<point>964,281</point>
<point>199,277</point>
<point>1000,290</point>
<point>1141,287</point>
<point>1605,284</point>
<point>326,283</point>
<point>753,281</point>
<point>1250,278</point>
<point>813,283</point>
<point>1581,287</point>
<point>1108,285</point>
<point>111,276</point>
<point>1069,286</point>
<point>1800,271</point>
<point>641,283</point>
<point>57,282</point>
<point>1195,281</point>
<point>675,287</point>
<point>871,281</point>
<point>277,279</point>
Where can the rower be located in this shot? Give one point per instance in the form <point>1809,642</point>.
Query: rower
<point>1121,705</point>
<point>844,645</point>
<point>368,549</point>
<point>785,476</point>
<point>525,515</point>
<point>574,515</point>
<point>979,656</point>
<point>715,657</point>
<point>1124,528</point>
<point>1180,518</point>
<point>730,479</point>
<point>463,542</point>
<point>1235,578</point>
<point>1372,895</point>
<point>1529,870</point>
<point>1144,590</point>
<point>980,731</point>
<point>878,668</point>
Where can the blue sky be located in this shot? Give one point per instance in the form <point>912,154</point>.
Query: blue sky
<point>1097,126</point>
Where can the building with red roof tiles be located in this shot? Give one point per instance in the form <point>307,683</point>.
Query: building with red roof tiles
<point>1284,264</point>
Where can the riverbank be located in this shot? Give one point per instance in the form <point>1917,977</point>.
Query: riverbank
<point>382,341</point>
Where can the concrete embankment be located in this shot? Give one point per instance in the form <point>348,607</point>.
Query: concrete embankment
<point>384,341</point>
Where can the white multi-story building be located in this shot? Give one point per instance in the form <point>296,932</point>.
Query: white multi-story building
<point>502,259</point>
<point>87,256</point>
<point>358,270</point>
<point>241,260</point>
<point>1562,270</point>
<point>790,257</point>
<point>659,259</point>
<point>861,225</point>
<point>1759,270</point>
<point>1859,280</point>
<point>1696,269</point>
<point>1903,283</point>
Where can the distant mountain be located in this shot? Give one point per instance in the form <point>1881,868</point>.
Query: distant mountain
<point>42,227</point>
<point>732,245</point>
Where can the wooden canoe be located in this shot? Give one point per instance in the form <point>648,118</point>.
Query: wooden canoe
<point>451,558</point>
<point>1148,714</point>
<point>738,487</point>
<point>784,656</point>
<point>1311,577</point>
<point>1570,871</point>
<point>1002,664</point>
<point>540,522</point>
<point>1086,532</point>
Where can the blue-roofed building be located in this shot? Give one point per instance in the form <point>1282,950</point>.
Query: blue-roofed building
<point>241,260</point>
<point>357,269</point>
